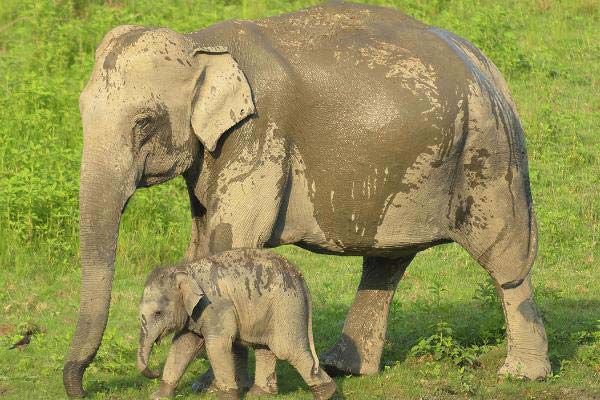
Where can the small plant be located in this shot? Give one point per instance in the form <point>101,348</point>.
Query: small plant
<point>589,354</point>
<point>437,289</point>
<point>443,346</point>
<point>431,370</point>
<point>468,382</point>
<point>486,294</point>
<point>116,355</point>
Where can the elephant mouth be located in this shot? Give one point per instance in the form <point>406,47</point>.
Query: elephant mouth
<point>161,336</point>
<point>148,177</point>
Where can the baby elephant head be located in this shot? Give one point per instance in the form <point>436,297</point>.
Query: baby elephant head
<point>168,301</point>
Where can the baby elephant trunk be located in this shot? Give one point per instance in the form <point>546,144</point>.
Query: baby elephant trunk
<point>146,344</point>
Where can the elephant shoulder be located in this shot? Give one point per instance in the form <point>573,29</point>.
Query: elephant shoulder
<point>254,48</point>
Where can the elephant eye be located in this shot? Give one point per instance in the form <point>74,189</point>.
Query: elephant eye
<point>157,314</point>
<point>142,130</point>
<point>142,122</point>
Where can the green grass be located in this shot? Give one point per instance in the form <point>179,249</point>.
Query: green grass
<point>446,336</point>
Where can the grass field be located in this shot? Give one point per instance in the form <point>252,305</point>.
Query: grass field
<point>446,337</point>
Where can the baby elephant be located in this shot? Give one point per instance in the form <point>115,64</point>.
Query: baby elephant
<point>234,299</point>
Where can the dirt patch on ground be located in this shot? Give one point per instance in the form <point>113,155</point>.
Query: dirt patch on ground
<point>4,390</point>
<point>5,330</point>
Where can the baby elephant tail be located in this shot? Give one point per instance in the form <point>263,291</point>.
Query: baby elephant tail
<point>311,340</point>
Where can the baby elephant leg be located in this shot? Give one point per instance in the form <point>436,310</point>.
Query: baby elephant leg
<point>222,360</point>
<point>205,382</point>
<point>240,356</point>
<point>184,349</point>
<point>321,385</point>
<point>265,380</point>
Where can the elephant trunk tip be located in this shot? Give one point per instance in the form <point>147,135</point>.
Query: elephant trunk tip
<point>142,361</point>
<point>72,379</point>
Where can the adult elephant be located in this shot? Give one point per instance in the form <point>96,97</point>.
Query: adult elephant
<point>345,129</point>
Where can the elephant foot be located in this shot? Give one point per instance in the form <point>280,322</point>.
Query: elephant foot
<point>165,391</point>
<point>231,394</point>
<point>324,391</point>
<point>526,368</point>
<point>257,391</point>
<point>344,358</point>
<point>205,383</point>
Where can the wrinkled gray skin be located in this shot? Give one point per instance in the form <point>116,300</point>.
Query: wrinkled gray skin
<point>345,129</point>
<point>243,297</point>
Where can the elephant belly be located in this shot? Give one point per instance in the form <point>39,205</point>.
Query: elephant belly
<point>378,133</point>
<point>372,211</point>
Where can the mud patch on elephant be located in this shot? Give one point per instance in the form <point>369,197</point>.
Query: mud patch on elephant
<point>419,171</point>
<point>324,24</point>
<point>474,170</point>
<point>221,238</point>
<point>120,44</point>
<point>289,281</point>
<point>258,281</point>
<point>215,275</point>
<point>269,281</point>
<point>528,310</point>
<point>158,277</point>
<point>463,212</point>
<point>403,65</point>
<point>163,302</point>
<point>247,282</point>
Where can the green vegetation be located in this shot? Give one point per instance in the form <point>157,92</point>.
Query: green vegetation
<point>446,337</point>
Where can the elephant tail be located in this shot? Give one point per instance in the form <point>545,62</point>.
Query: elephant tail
<point>311,340</point>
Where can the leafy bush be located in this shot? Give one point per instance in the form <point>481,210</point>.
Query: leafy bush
<point>443,346</point>
<point>589,354</point>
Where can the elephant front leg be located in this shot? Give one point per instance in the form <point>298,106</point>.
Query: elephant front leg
<point>184,349</point>
<point>205,382</point>
<point>359,349</point>
<point>222,360</point>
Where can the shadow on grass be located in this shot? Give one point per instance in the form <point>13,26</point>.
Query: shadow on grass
<point>473,324</point>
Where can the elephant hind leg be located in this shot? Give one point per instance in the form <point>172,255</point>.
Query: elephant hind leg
<point>527,343</point>
<point>265,378</point>
<point>508,253</point>
<point>321,384</point>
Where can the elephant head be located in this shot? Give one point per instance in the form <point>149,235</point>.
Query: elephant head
<point>153,102</point>
<point>168,301</point>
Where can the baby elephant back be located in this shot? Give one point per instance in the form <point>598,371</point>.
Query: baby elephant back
<point>254,272</point>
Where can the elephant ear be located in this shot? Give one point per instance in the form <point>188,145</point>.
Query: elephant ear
<point>190,291</point>
<point>223,96</point>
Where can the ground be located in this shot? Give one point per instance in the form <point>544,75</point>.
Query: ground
<point>446,337</point>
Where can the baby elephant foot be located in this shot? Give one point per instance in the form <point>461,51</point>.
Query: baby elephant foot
<point>324,391</point>
<point>205,383</point>
<point>533,369</point>
<point>257,391</point>
<point>165,391</point>
<point>231,394</point>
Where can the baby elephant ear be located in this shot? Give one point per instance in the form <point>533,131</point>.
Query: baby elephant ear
<point>190,291</point>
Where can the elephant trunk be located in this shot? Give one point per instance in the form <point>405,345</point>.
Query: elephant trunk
<point>146,344</point>
<point>102,198</point>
